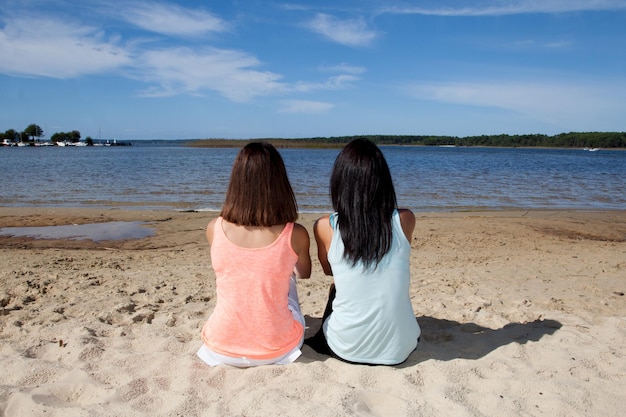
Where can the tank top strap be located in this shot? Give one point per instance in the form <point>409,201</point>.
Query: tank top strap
<point>333,219</point>
<point>286,233</point>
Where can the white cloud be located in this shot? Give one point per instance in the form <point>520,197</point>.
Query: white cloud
<point>498,7</point>
<point>230,73</point>
<point>49,48</point>
<point>62,47</point>
<point>568,104</point>
<point>173,20</point>
<point>332,83</point>
<point>305,106</point>
<point>42,47</point>
<point>352,32</point>
<point>343,68</point>
<point>340,81</point>
<point>529,43</point>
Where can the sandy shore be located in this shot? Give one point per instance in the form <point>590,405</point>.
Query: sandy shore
<point>522,313</point>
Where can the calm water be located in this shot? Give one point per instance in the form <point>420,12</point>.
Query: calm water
<point>426,178</point>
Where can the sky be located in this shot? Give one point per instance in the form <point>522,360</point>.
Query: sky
<point>269,69</point>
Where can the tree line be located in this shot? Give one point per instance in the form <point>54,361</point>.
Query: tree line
<point>33,132</point>
<point>29,134</point>
<point>562,140</point>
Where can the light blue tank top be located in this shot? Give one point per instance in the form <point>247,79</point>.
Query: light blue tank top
<point>372,319</point>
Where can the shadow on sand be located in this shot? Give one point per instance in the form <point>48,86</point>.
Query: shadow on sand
<point>446,340</point>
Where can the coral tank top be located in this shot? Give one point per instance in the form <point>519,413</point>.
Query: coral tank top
<point>251,318</point>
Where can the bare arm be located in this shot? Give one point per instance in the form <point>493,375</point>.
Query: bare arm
<point>323,236</point>
<point>301,242</point>
<point>407,219</point>
<point>209,231</point>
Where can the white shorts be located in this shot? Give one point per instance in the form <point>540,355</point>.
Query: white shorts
<point>213,358</point>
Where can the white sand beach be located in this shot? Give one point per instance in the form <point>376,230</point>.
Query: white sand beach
<point>522,313</point>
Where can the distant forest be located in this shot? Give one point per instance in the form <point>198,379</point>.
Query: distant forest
<point>562,140</point>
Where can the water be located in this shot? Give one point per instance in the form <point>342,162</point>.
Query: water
<point>426,178</point>
<point>92,231</point>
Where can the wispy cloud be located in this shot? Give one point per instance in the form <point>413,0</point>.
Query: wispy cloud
<point>549,101</point>
<point>350,32</point>
<point>173,20</point>
<point>305,106</point>
<point>57,48</point>
<point>230,73</point>
<point>233,74</point>
<point>534,44</point>
<point>343,68</point>
<point>50,48</point>
<point>332,83</point>
<point>500,7</point>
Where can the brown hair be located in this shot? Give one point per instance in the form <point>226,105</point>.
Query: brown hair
<point>259,193</point>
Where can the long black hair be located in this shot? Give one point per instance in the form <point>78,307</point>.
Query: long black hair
<point>364,198</point>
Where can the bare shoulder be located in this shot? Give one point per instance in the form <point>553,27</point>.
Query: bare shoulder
<point>407,220</point>
<point>300,242</point>
<point>406,215</point>
<point>323,236</point>
<point>323,231</point>
<point>322,225</point>
<point>209,230</point>
<point>300,232</point>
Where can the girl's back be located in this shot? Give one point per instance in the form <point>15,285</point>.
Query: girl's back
<point>372,319</point>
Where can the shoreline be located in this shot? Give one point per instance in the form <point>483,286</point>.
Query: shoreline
<point>14,209</point>
<point>522,313</point>
<point>602,225</point>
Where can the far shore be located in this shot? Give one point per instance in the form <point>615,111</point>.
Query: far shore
<point>592,141</point>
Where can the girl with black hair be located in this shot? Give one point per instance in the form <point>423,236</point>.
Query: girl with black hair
<point>365,245</point>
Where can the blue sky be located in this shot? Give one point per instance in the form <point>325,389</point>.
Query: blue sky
<point>254,69</point>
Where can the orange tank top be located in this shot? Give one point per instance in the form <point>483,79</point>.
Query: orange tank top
<point>251,318</point>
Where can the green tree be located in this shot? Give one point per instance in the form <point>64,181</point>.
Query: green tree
<point>57,137</point>
<point>9,134</point>
<point>33,131</point>
<point>74,136</point>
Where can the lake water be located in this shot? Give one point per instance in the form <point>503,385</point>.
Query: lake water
<point>426,178</point>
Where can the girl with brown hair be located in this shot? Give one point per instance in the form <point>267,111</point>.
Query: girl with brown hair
<point>257,251</point>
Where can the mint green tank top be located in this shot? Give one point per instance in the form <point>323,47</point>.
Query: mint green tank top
<point>372,319</point>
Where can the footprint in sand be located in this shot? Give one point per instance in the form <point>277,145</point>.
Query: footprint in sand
<point>376,404</point>
<point>75,390</point>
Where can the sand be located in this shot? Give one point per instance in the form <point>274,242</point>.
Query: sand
<point>522,314</point>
